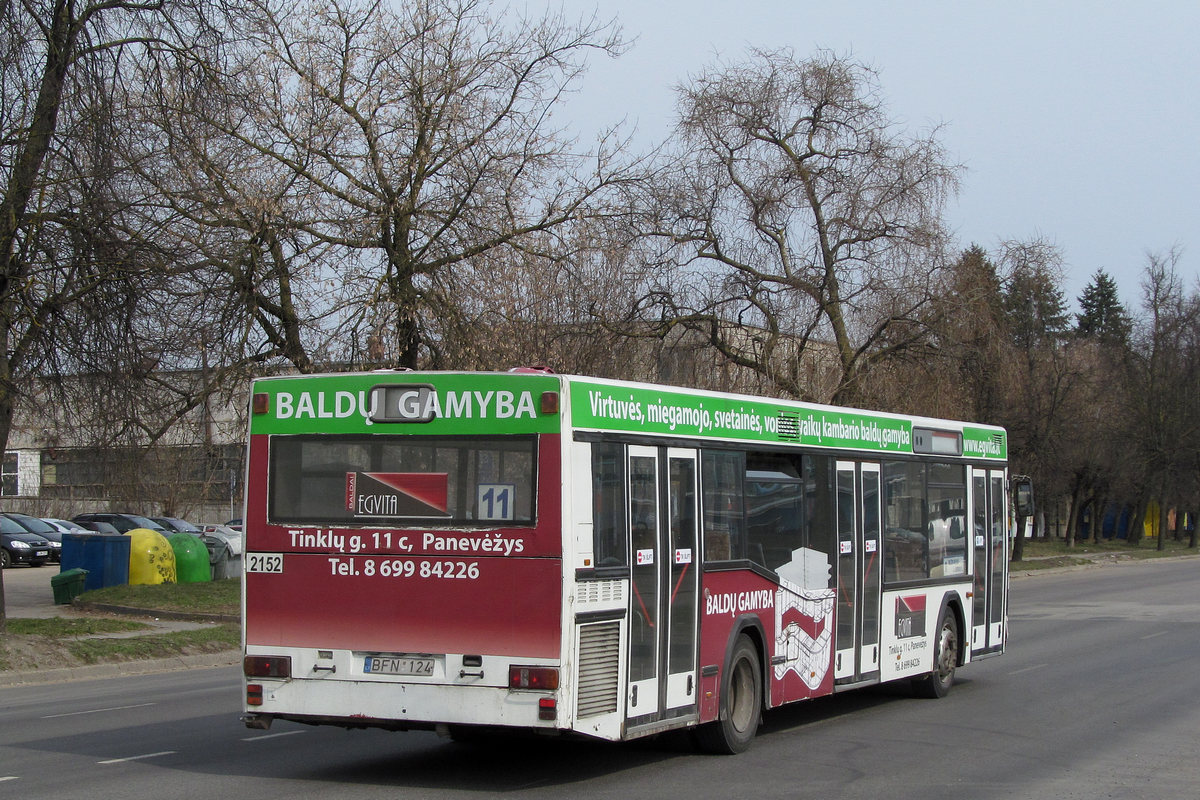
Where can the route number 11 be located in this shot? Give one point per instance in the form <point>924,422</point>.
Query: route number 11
<point>495,500</point>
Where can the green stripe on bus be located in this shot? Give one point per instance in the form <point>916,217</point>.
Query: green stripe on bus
<point>641,409</point>
<point>496,403</point>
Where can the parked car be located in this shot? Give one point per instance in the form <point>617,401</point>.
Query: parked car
<point>222,536</point>
<point>177,525</point>
<point>96,527</point>
<point>224,550</point>
<point>19,546</point>
<point>236,524</point>
<point>39,527</point>
<point>124,523</point>
<point>66,526</point>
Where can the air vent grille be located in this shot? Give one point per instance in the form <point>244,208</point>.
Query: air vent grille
<point>599,660</point>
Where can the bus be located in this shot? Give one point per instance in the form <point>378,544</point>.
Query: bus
<point>526,550</point>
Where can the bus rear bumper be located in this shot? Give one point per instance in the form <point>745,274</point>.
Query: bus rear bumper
<point>398,706</point>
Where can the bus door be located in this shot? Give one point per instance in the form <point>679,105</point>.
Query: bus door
<point>856,658</point>
<point>663,597</point>
<point>989,516</point>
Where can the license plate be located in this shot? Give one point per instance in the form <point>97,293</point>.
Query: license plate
<point>40,553</point>
<point>398,665</point>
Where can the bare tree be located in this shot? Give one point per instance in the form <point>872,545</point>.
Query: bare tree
<point>1160,380</point>
<point>387,148</point>
<point>801,227</point>
<point>60,231</point>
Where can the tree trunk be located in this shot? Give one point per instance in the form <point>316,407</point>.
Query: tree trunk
<point>1137,522</point>
<point>1018,551</point>
<point>1101,504</point>
<point>1072,517</point>
<point>7,403</point>
<point>1162,522</point>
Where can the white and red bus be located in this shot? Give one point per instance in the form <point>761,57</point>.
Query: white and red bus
<point>597,557</point>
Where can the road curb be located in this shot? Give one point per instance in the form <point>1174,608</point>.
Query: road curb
<point>120,669</point>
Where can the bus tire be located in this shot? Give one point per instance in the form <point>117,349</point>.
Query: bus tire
<point>945,658</point>
<point>741,703</point>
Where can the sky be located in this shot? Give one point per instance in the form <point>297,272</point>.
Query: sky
<point>1077,122</point>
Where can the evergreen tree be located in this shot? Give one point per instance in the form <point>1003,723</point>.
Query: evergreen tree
<point>1102,318</point>
<point>1034,306</point>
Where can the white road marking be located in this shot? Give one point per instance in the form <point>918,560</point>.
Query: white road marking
<point>270,736</point>
<point>1029,669</point>
<point>96,711</point>
<point>136,758</point>
<point>1154,635</point>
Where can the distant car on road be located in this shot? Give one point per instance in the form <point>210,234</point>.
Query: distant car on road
<point>39,527</point>
<point>124,523</point>
<point>19,546</point>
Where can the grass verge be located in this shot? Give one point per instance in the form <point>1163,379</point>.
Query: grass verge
<point>61,628</point>
<point>33,644</point>
<point>212,597</point>
<point>50,646</point>
<point>210,639</point>
<point>1052,553</point>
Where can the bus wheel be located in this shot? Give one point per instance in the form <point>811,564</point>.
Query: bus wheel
<point>945,658</point>
<point>741,703</point>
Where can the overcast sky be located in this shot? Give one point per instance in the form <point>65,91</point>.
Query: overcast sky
<point>1077,121</point>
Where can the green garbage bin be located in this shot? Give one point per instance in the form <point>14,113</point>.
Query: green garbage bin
<point>68,585</point>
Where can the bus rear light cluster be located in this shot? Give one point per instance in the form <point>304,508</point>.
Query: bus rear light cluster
<point>254,694</point>
<point>267,666</point>
<point>547,709</point>
<point>543,678</point>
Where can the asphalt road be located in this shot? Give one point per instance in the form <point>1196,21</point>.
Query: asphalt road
<point>1096,698</point>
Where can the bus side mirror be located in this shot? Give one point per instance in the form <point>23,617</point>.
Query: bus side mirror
<point>1023,495</point>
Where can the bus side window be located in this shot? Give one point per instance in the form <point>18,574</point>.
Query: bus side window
<point>608,505</point>
<point>820,523</point>
<point>774,509</point>
<point>721,475</point>
<point>906,535</point>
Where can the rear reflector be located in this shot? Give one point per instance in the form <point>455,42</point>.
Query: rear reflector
<point>544,678</point>
<point>253,694</point>
<point>267,666</point>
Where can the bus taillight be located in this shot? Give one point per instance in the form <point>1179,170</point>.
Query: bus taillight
<point>544,678</point>
<point>547,709</point>
<point>267,667</point>
<point>254,694</point>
